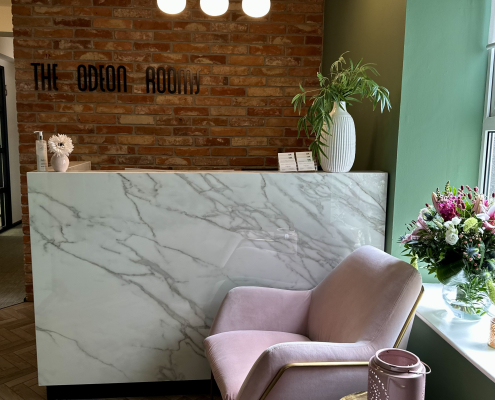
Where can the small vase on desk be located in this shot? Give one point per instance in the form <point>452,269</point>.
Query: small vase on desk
<point>60,163</point>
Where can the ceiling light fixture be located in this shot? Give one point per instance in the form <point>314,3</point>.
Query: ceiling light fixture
<point>256,8</point>
<point>214,8</point>
<point>171,6</point>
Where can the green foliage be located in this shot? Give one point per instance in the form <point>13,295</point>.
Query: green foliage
<point>351,84</point>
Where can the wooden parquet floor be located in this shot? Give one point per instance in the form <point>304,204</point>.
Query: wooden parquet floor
<point>18,372</point>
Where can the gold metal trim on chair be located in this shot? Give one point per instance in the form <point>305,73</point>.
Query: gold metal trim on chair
<point>342,363</point>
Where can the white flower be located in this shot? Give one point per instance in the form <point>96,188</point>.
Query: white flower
<point>60,145</point>
<point>449,225</point>
<point>451,236</point>
<point>456,220</point>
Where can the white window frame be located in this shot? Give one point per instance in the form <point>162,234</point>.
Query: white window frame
<point>488,125</point>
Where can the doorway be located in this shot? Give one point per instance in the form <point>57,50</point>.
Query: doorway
<point>12,281</point>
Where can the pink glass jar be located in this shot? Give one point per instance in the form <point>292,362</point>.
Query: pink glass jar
<point>396,374</point>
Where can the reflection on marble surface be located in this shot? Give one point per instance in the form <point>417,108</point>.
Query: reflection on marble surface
<point>130,268</point>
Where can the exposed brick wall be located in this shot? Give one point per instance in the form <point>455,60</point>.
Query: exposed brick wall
<point>242,117</point>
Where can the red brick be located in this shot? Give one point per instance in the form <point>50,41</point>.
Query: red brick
<point>248,121</point>
<point>131,13</point>
<point>249,38</point>
<point>303,51</point>
<point>264,91</point>
<point>210,141</point>
<point>228,131</point>
<point>208,59</point>
<point>117,149</point>
<point>52,10</point>
<point>258,161</point>
<point>174,161</point>
<point>228,27</point>
<point>96,119</point>
<point>249,141</point>
<point>153,25</point>
<point>153,130</point>
<point>173,121</point>
<point>287,40</point>
<point>305,8</point>
<point>227,111</point>
<point>95,98</point>
<point>74,108</point>
<point>92,55</point>
<point>93,34</point>
<point>53,55</point>
<point>32,21</point>
<point>247,102</point>
<point>283,61</point>
<point>136,140</point>
<point>113,109</point>
<point>68,44</point>
<point>190,131</point>
<point>155,150</point>
<point>275,29</point>
<point>36,43</point>
<point>203,37</point>
<point>21,10</point>
<point>136,99</point>
<point>93,11</point>
<point>265,112</point>
<point>191,26</point>
<point>247,81</point>
<point>136,119</point>
<point>173,37</point>
<point>313,40</point>
<point>213,101</point>
<point>97,139</point>
<point>228,70</point>
<point>163,47</point>
<point>229,49</point>
<point>109,45</point>
<point>170,58</point>
<point>132,57</point>
<point>73,22</point>
<point>210,161</point>
<point>54,117</point>
<point>58,33</point>
<point>210,121</point>
<point>227,91</point>
<point>112,3</point>
<point>192,151</point>
<point>175,141</point>
<point>34,107</point>
<point>247,60</point>
<point>134,35</point>
<point>114,130</point>
<point>75,128</point>
<point>262,151</point>
<point>191,111</point>
<point>191,48</point>
<point>289,18</point>
<point>85,149</point>
<point>221,151</point>
<point>268,50</point>
<point>136,160</point>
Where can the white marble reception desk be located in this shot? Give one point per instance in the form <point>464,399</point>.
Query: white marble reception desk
<point>130,267</point>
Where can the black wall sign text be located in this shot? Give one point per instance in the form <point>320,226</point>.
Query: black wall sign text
<point>91,78</point>
<point>162,80</point>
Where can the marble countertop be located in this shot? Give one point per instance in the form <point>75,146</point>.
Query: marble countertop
<point>467,337</point>
<point>216,171</point>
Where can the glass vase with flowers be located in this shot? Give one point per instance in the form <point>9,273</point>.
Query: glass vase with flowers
<point>454,239</point>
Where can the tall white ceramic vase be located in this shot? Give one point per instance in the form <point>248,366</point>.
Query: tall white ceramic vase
<point>341,150</point>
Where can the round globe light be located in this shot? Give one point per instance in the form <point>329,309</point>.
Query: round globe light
<point>256,8</point>
<point>172,6</point>
<point>214,8</point>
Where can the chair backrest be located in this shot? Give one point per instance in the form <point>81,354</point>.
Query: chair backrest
<point>366,297</point>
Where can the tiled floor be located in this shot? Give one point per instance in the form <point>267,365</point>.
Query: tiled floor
<point>18,374</point>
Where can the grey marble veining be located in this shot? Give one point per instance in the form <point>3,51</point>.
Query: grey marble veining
<point>130,268</point>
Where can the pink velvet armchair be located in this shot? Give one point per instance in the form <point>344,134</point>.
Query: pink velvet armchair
<point>312,345</point>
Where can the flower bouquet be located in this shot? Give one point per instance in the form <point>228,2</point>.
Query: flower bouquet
<point>61,146</point>
<point>455,238</point>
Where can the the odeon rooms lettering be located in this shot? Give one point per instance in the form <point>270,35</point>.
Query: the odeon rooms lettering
<point>110,78</point>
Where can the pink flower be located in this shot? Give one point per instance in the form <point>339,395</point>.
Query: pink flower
<point>447,209</point>
<point>488,218</point>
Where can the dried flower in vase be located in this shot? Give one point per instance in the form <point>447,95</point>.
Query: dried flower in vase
<point>60,145</point>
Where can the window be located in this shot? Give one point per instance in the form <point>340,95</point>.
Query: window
<point>487,165</point>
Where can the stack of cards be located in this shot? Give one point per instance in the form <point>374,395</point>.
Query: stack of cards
<point>305,161</point>
<point>287,162</point>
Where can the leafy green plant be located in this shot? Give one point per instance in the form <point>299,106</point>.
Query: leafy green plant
<point>351,84</point>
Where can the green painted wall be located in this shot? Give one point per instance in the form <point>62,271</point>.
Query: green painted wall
<point>452,376</point>
<point>374,31</point>
<point>443,88</point>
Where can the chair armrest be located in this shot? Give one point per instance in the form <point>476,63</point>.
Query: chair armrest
<point>258,308</point>
<point>290,370</point>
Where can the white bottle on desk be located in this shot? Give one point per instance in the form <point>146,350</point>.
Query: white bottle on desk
<point>41,153</point>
